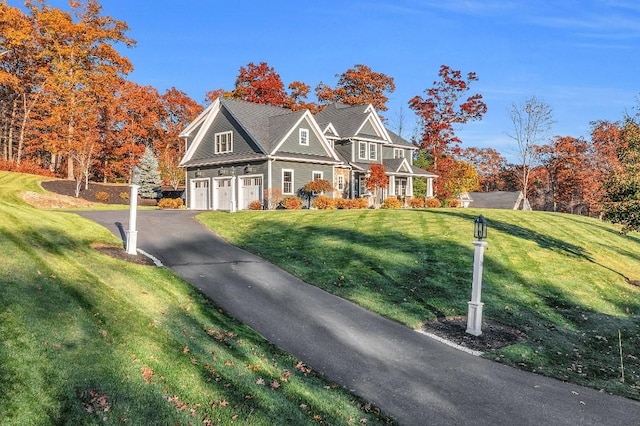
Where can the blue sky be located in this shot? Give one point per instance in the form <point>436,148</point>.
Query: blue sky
<point>582,57</point>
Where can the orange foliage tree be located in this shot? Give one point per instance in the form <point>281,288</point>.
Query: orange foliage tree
<point>442,109</point>
<point>489,165</point>
<point>376,179</point>
<point>357,86</point>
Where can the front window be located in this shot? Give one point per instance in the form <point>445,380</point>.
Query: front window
<point>317,175</point>
<point>287,181</point>
<point>304,137</point>
<point>340,182</point>
<point>362,150</point>
<point>398,153</point>
<point>372,151</point>
<point>224,142</point>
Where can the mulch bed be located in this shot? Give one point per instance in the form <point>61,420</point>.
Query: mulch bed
<point>494,335</point>
<point>116,193</point>
<point>121,253</point>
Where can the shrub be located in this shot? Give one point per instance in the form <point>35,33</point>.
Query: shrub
<point>342,203</point>
<point>359,203</point>
<point>291,203</point>
<point>433,203</point>
<point>170,203</point>
<point>454,203</point>
<point>102,196</point>
<point>124,195</point>
<point>391,203</point>
<point>322,202</point>
<point>415,203</point>
<point>25,167</point>
<point>273,197</point>
<point>255,205</point>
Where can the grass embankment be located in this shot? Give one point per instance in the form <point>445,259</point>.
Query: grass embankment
<point>89,339</point>
<point>560,279</point>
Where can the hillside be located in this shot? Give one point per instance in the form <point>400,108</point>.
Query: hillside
<point>567,284</point>
<point>89,339</point>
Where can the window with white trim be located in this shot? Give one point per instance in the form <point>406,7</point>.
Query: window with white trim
<point>373,150</point>
<point>398,153</point>
<point>287,181</point>
<point>224,142</point>
<point>362,150</point>
<point>316,176</point>
<point>304,136</point>
<point>340,183</point>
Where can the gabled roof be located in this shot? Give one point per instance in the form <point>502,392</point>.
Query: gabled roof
<point>510,200</point>
<point>397,165</point>
<point>266,127</point>
<point>351,121</point>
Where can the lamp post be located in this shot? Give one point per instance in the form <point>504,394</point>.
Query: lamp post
<point>474,315</point>
<point>132,233</point>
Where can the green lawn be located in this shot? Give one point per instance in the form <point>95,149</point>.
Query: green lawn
<point>560,279</point>
<point>88,339</point>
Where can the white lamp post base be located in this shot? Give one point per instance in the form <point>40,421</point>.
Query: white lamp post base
<point>132,242</point>
<point>474,318</point>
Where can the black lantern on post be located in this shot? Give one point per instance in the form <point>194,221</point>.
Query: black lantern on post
<point>480,228</point>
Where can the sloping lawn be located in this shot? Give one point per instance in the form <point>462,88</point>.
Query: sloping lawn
<point>562,280</point>
<point>88,339</point>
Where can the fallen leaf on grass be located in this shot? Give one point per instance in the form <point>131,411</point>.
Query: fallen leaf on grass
<point>275,385</point>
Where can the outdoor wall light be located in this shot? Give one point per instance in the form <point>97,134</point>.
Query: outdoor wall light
<point>198,173</point>
<point>249,168</point>
<point>223,172</point>
<point>480,228</point>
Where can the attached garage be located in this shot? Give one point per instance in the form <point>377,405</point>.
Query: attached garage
<point>222,194</point>
<point>250,190</point>
<point>200,194</point>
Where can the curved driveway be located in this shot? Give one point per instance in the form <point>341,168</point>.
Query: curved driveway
<point>412,377</point>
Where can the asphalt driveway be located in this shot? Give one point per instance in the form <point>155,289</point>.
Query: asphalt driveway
<point>410,376</point>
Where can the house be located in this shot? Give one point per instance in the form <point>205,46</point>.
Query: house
<point>236,151</point>
<point>509,200</point>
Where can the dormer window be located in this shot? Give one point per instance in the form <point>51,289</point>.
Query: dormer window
<point>224,142</point>
<point>304,137</point>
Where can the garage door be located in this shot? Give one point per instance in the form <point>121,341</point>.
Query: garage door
<point>222,196</point>
<point>200,191</point>
<point>251,190</point>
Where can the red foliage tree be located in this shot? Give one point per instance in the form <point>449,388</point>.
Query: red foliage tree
<point>489,164</point>
<point>357,86</point>
<point>260,84</point>
<point>443,108</point>
<point>377,179</point>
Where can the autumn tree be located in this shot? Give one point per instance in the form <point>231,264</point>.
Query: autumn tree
<point>83,67</point>
<point>316,186</point>
<point>259,84</point>
<point>443,108</point>
<point>357,86</point>
<point>376,179</point>
<point>176,111</point>
<point>489,165</point>
<point>621,204</point>
<point>569,174</point>
<point>532,121</point>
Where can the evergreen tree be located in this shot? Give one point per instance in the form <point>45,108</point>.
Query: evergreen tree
<point>150,181</point>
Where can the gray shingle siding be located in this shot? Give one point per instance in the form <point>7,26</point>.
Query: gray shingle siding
<point>303,173</point>
<point>292,143</point>
<point>224,123</point>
